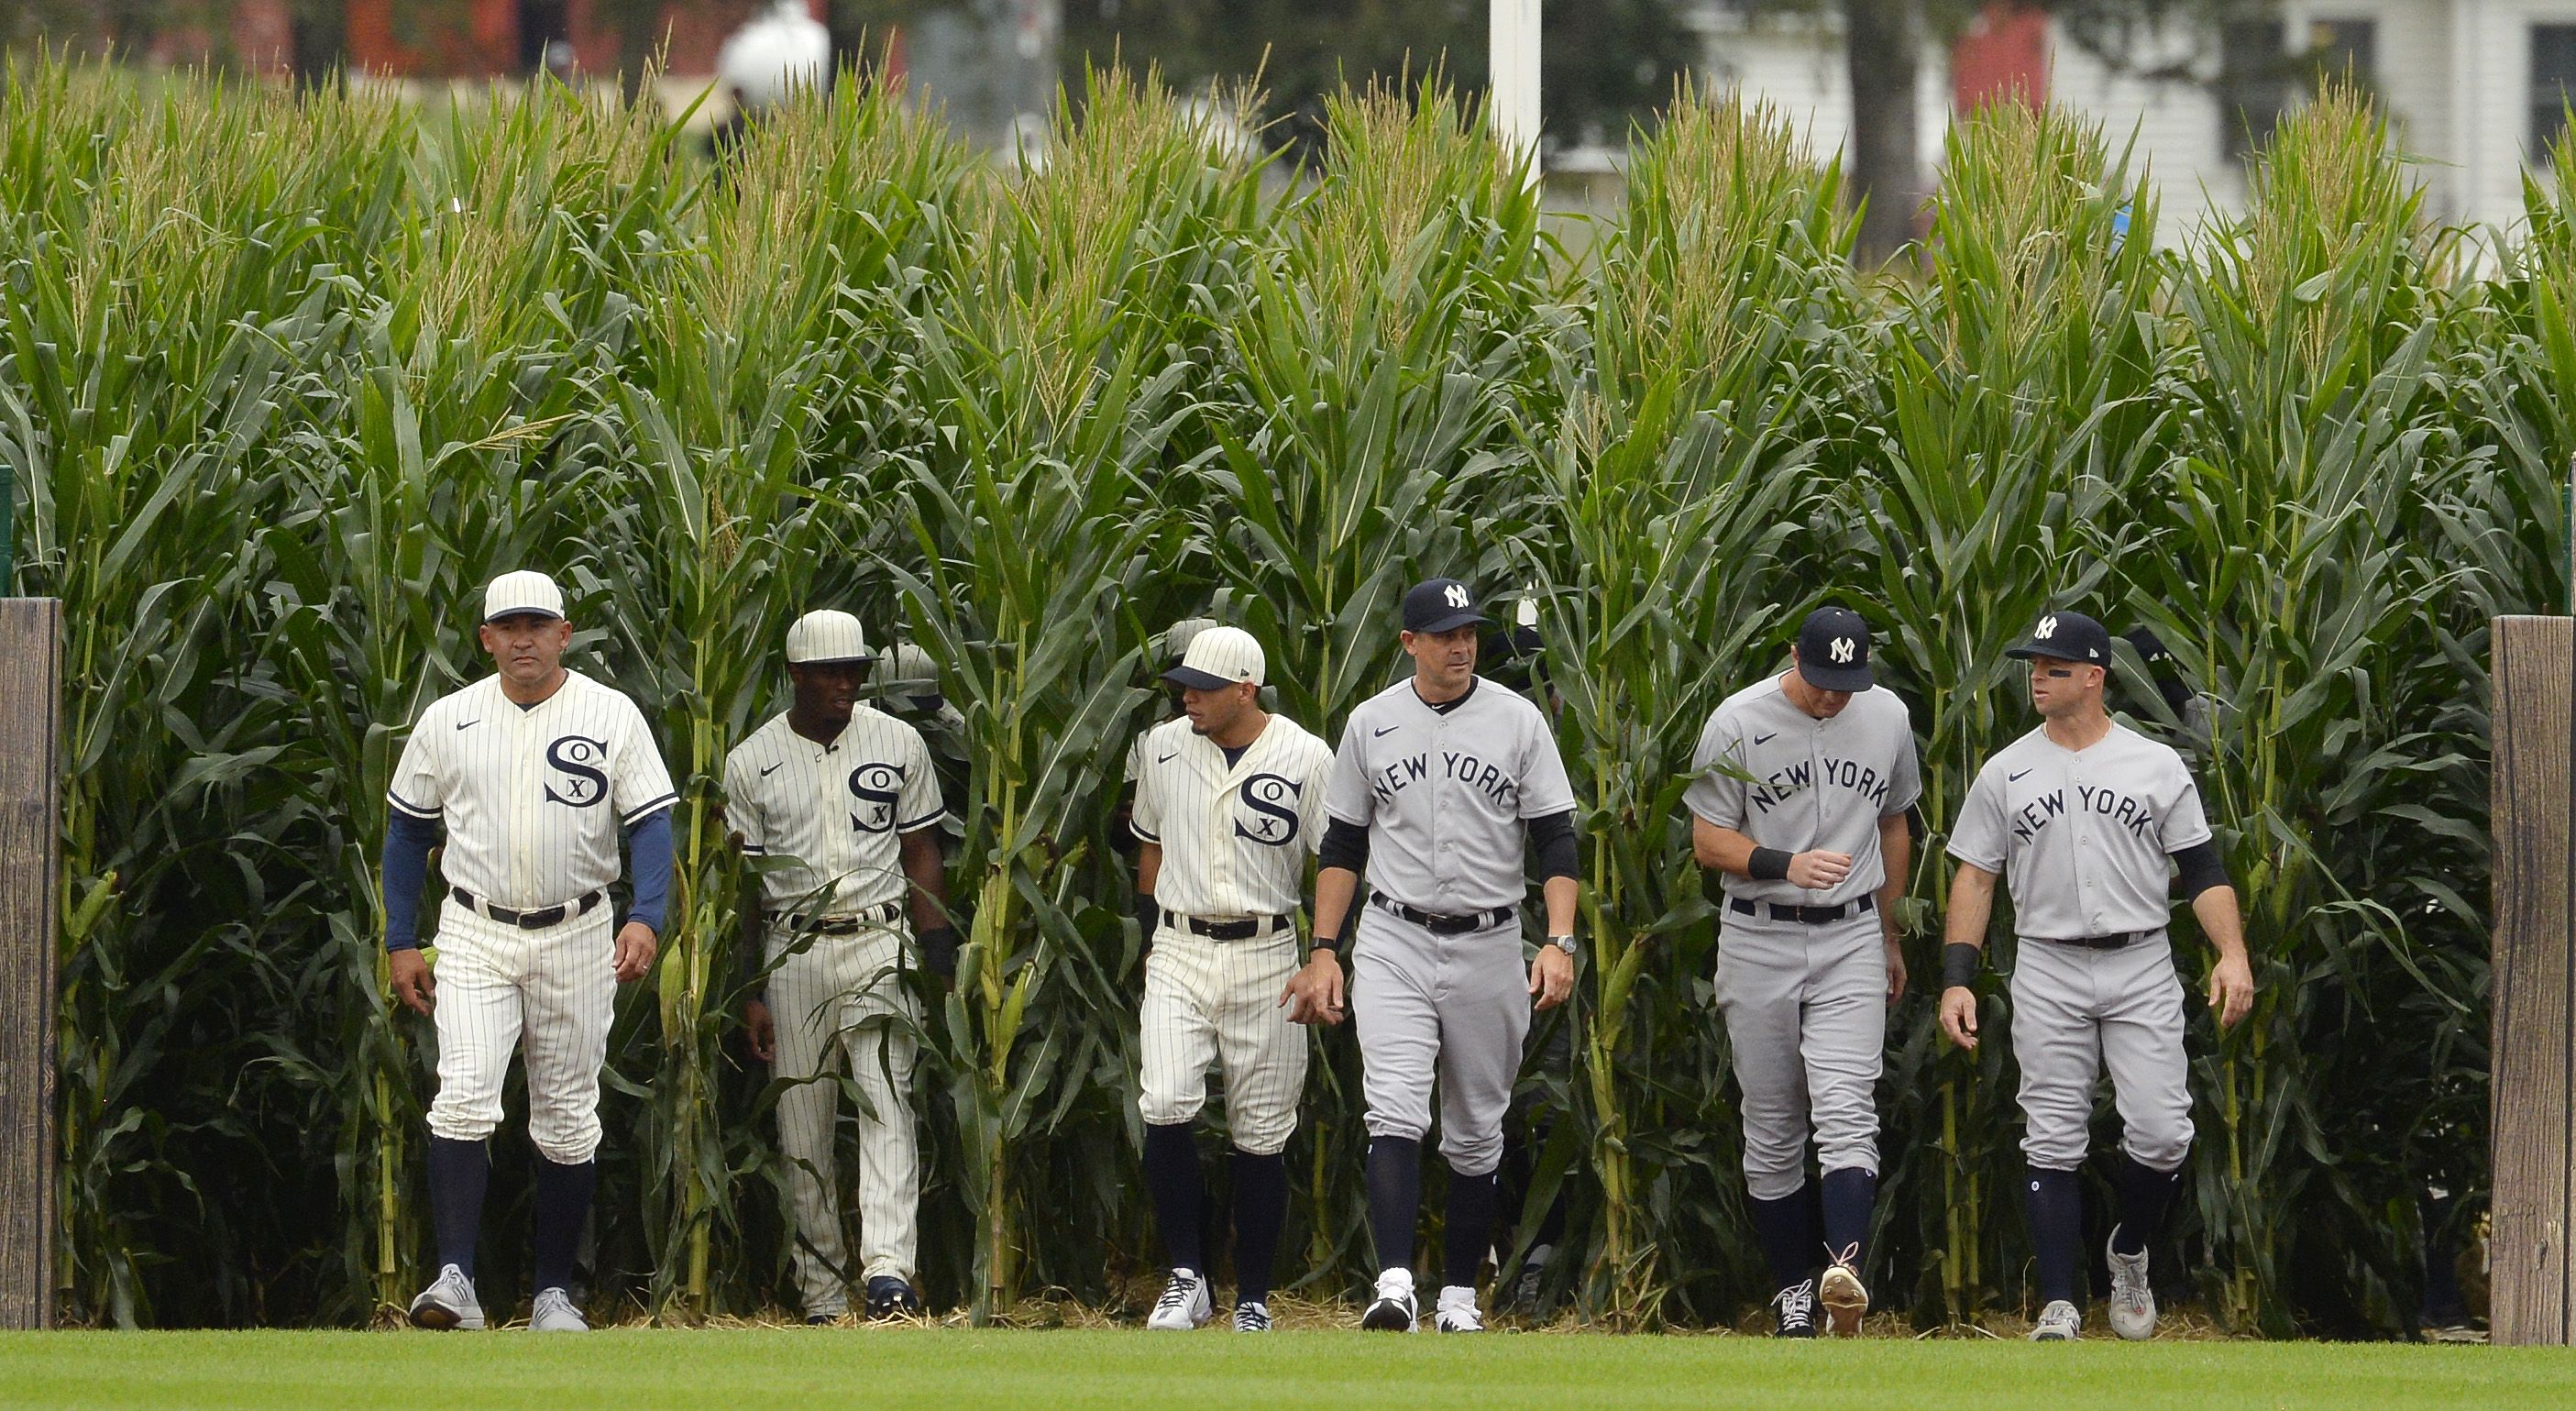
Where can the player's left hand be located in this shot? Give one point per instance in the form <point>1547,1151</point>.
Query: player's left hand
<point>1314,994</point>
<point>1895,972</point>
<point>2231,990</point>
<point>636,947</point>
<point>1551,977</point>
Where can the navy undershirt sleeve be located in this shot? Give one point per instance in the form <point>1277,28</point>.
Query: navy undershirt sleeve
<point>1553,837</point>
<point>405,870</point>
<point>1345,845</point>
<point>650,843</point>
<point>2202,869</point>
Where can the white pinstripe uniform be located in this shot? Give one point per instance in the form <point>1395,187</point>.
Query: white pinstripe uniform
<point>1236,840</point>
<point>835,813</point>
<point>533,799</point>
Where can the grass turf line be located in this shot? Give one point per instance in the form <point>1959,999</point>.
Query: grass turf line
<point>952,1370</point>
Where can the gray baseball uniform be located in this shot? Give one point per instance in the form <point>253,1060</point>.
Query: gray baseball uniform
<point>1805,1000</point>
<point>1446,796</point>
<point>2083,839</point>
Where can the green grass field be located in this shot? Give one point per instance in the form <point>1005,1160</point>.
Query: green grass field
<point>951,1369</point>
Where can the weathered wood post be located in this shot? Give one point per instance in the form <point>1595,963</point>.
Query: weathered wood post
<point>30,863</point>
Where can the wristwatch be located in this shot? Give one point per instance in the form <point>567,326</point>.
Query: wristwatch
<point>1565,944</point>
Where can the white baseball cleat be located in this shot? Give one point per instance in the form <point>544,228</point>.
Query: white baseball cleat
<point>2058,1322</point>
<point>448,1304</point>
<point>1252,1317</point>
<point>1845,1298</point>
<point>1184,1304</point>
<point>1456,1312</point>
<point>554,1313</point>
<point>2133,1300</point>
<point>1394,1309</point>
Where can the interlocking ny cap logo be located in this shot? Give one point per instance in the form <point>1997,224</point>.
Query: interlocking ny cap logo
<point>1842,649</point>
<point>1456,593</point>
<point>2047,628</point>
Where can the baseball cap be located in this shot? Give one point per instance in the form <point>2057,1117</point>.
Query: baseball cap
<point>1441,605</point>
<point>1833,650</point>
<point>1178,636</point>
<point>2067,636</point>
<point>1219,657</point>
<point>826,635</point>
<point>523,591</point>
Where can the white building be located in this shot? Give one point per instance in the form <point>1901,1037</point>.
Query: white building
<point>2473,88</point>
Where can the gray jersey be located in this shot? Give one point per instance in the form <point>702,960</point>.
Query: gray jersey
<point>1446,795</point>
<point>1814,783</point>
<point>2082,837</point>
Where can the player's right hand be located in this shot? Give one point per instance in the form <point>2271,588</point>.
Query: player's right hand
<point>413,984</point>
<point>1959,1016</point>
<point>760,1032</point>
<point>1819,870</point>
<point>1314,994</point>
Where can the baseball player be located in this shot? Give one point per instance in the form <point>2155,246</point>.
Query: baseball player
<point>531,773</point>
<point>842,801</point>
<point>1229,808</point>
<point>2091,820</point>
<point>1441,783</point>
<point>1122,833</point>
<point>1805,782</point>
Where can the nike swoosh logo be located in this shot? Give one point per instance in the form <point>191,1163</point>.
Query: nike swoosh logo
<point>1387,731</point>
<point>1765,739</point>
<point>1168,758</point>
<point>469,724</point>
<point>2014,778</point>
<point>782,764</point>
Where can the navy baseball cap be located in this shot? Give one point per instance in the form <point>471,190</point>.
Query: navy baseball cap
<point>1833,650</point>
<point>1441,605</point>
<point>2067,636</point>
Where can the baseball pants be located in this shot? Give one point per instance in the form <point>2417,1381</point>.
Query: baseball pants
<point>1806,1021</point>
<point>1451,1008</point>
<point>1212,1001</point>
<point>548,993</point>
<point>2076,1010</point>
<point>840,1001</point>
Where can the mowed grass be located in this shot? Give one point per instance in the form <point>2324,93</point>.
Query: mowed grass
<point>954,1369</point>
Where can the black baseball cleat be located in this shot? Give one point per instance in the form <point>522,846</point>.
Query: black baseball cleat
<point>820,1320</point>
<point>890,1297</point>
<point>1795,1307</point>
<point>1394,1309</point>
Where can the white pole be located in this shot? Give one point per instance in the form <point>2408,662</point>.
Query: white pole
<point>1513,61</point>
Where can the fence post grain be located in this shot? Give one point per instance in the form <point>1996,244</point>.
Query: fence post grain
<point>30,850</point>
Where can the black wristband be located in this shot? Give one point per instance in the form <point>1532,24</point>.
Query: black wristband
<point>1323,942</point>
<point>1768,864</point>
<point>1960,963</point>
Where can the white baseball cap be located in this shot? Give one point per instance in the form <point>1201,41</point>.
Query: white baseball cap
<point>1218,657</point>
<point>524,591</point>
<point>827,635</point>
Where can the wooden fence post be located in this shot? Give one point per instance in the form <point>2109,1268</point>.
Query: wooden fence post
<point>30,866</point>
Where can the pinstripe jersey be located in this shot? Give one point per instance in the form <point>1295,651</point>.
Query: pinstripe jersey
<point>1235,839</point>
<point>532,798</point>
<point>838,810</point>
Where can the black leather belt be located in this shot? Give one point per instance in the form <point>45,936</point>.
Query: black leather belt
<point>1805,915</point>
<point>1439,925</point>
<point>1243,929</point>
<point>529,920</point>
<point>2114,941</point>
<point>842,923</point>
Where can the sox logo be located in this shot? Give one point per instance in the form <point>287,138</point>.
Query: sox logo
<point>877,787</point>
<point>578,762</point>
<point>1272,801</point>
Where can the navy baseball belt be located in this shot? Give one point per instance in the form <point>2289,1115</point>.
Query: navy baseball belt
<point>536,920</point>
<point>1804,915</point>
<point>1242,928</point>
<point>1440,925</point>
<point>2115,941</point>
<point>843,923</point>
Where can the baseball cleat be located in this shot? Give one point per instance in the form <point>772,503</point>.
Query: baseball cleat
<point>2133,1301</point>
<point>1795,1307</point>
<point>1526,1289</point>
<point>821,1320</point>
<point>1394,1309</point>
<point>1845,1298</point>
<point>1252,1317</point>
<point>890,1297</point>
<point>1456,1312</point>
<point>554,1313</point>
<point>1184,1304</point>
<point>448,1304</point>
<point>2058,1322</point>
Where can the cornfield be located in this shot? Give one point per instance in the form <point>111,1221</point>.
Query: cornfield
<point>286,377</point>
